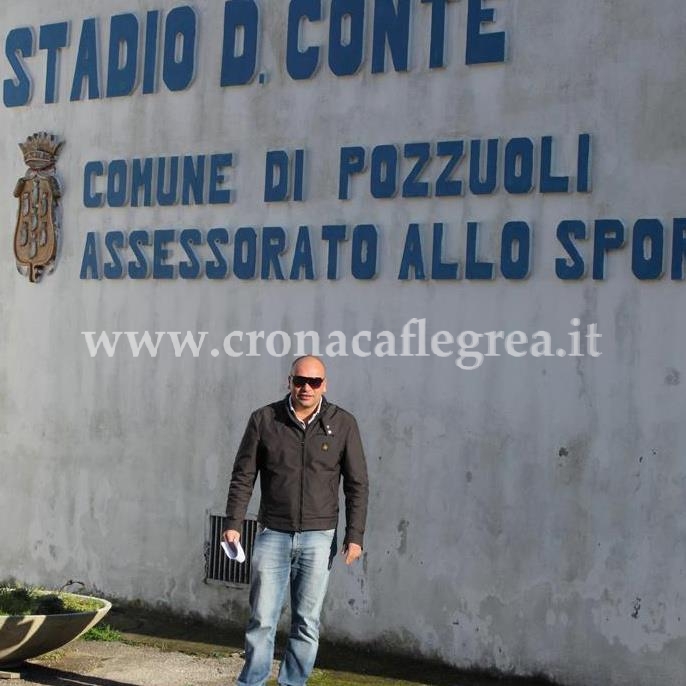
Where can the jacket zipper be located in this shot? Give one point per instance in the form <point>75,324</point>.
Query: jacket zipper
<point>302,464</point>
<point>302,478</point>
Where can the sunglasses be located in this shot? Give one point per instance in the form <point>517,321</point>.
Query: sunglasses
<point>312,381</point>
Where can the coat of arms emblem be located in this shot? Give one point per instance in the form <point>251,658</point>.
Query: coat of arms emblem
<point>38,191</point>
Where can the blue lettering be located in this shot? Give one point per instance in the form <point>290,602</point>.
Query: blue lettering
<point>302,256</point>
<point>583,178</point>
<point>364,249</point>
<point>345,56</point>
<point>19,43</point>
<point>412,255</point>
<point>123,37</point>
<point>384,171</point>
<point>473,268</point>
<point>647,231</point>
<point>678,248</point>
<point>193,179</point>
<point>245,253</point>
<point>115,269</point>
<point>217,268</point>
<point>141,178</point>
<point>161,270</point>
<point>439,269</point>
<point>138,268</point>
<point>273,245</point>
<point>219,196</point>
<point>609,235</point>
<point>90,260</point>
<point>298,175</point>
<point>276,176</point>
<point>412,187</point>
<point>239,69</point>
<point>181,23</point>
<point>483,47</point>
<point>87,63</point>
<point>116,183</point>
<point>393,27</point>
<point>519,165</point>
<point>550,183</point>
<point>166,197</point>
<point>150,57</point>
<point>352,162</point>
<point>301,64</point>
<point>90,197</point>
<point>566,231</point>
<point>437,43</point>
<point>515,266</point>
<point>53,37</point>
<point>488,185</point>
<point>333,234</point>
<point>187,239</point>
<point>445,186</point>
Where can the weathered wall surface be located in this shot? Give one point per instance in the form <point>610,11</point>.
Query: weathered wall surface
<point>526,515</point>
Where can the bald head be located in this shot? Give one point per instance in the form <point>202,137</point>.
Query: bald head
<point>300,361</point>
<point>307,384</point>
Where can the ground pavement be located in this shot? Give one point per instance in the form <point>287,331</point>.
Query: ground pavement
<point>152,649</point>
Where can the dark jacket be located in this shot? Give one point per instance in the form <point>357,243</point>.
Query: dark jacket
<point>300,470</point>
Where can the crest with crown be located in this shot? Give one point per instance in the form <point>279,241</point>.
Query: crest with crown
<point>40,150</point>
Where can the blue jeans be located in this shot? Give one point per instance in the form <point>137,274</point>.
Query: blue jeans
<point>305,558</point>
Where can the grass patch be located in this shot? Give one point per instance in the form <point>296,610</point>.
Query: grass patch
<point>321,677</point>
<point>102,632</point>
<point>335,678</point>
<point>21,600</point>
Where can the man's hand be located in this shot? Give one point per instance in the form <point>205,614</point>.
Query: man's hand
<point>231,536</point>
<point>351,552</point>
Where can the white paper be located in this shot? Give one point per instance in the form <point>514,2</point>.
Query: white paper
<point>234,551</point>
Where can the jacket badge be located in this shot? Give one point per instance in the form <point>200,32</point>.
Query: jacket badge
<point>37,231</point>
<point>325,446</point>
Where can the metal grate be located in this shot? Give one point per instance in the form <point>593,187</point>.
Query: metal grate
<point>218,567</point>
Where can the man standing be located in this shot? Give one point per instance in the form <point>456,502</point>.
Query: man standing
<point>301,446</point>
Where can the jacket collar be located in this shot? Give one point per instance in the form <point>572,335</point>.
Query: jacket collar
<point>322,415</point>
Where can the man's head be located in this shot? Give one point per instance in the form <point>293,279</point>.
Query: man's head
<point>307,383</point>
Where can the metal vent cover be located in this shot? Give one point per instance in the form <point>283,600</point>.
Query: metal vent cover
<point>218,567</point>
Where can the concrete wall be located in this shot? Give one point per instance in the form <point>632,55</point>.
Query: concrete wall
<point>525,516</point>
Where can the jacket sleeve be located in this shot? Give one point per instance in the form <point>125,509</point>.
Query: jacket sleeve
<point>243,476</point>
<point>355,486</point>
